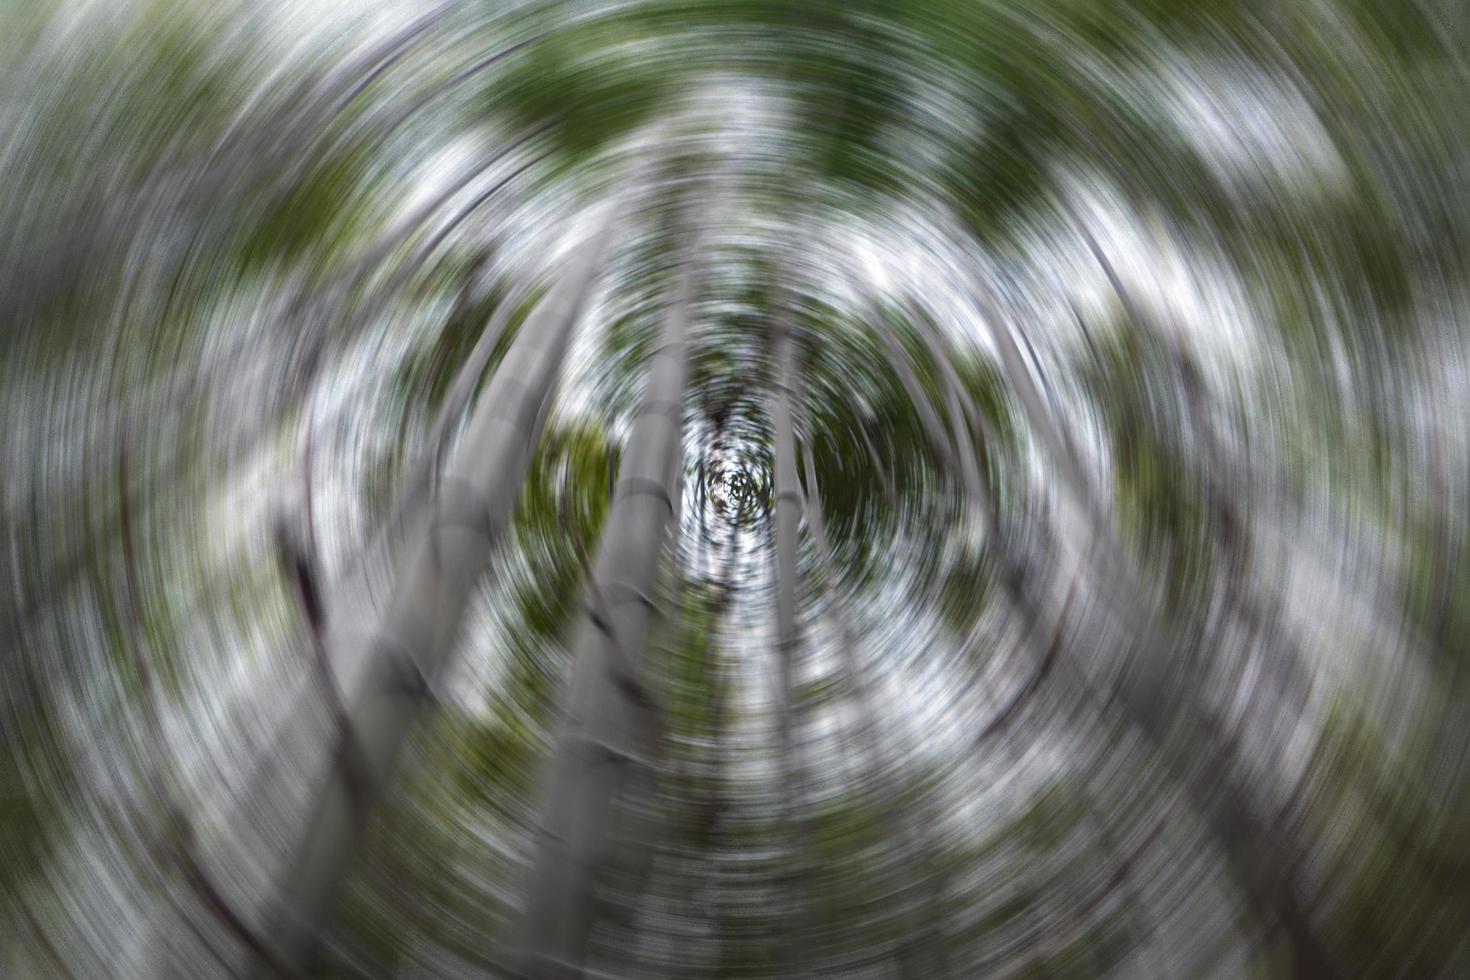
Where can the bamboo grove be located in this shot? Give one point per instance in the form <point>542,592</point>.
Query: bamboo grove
<point>734,489</point>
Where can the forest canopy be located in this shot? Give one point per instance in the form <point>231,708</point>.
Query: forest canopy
<point>732,488</point>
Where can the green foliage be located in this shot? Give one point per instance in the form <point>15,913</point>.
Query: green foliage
<point>431,369</point>
<point>314,216</point>
<point>1048,821</point>
<point>588,80</point>
<point>1435,597</point>
<point>693,700</point>
<point>179,86</point>
<point>1026,73</point>
<point>38,786</point>
<point>1161,504</point>
<point>1091,954</point>
<point>1164,513</point>
<point>848,838</point>
<point>983,381</point>
<point>566,491</point>
<point>1403,907</point>
<point>853,365</point>
<point>1400,29</point>
<point>963,592</point>
<point>849,83</point>
<point>817,693</point>
<point>23,844</point>
<point>499,759</point>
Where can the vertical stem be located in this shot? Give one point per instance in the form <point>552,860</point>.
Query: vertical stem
<point>449,547</point>
<point>1186,741</point>
<point>788,519</point>
<point>605,700</point>
<point>898,829</point>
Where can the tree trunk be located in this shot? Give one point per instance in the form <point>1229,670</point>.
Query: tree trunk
<point>604,703</point>
<point>788,511</point>
<point>1183,735</point>
<point>902,828</point>
<point>450,544</point>
<point>1192,751</point>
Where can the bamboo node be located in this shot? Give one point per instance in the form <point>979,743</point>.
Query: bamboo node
<point>405,675</point>
<point>669,408</point>
<point>633,486</point>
